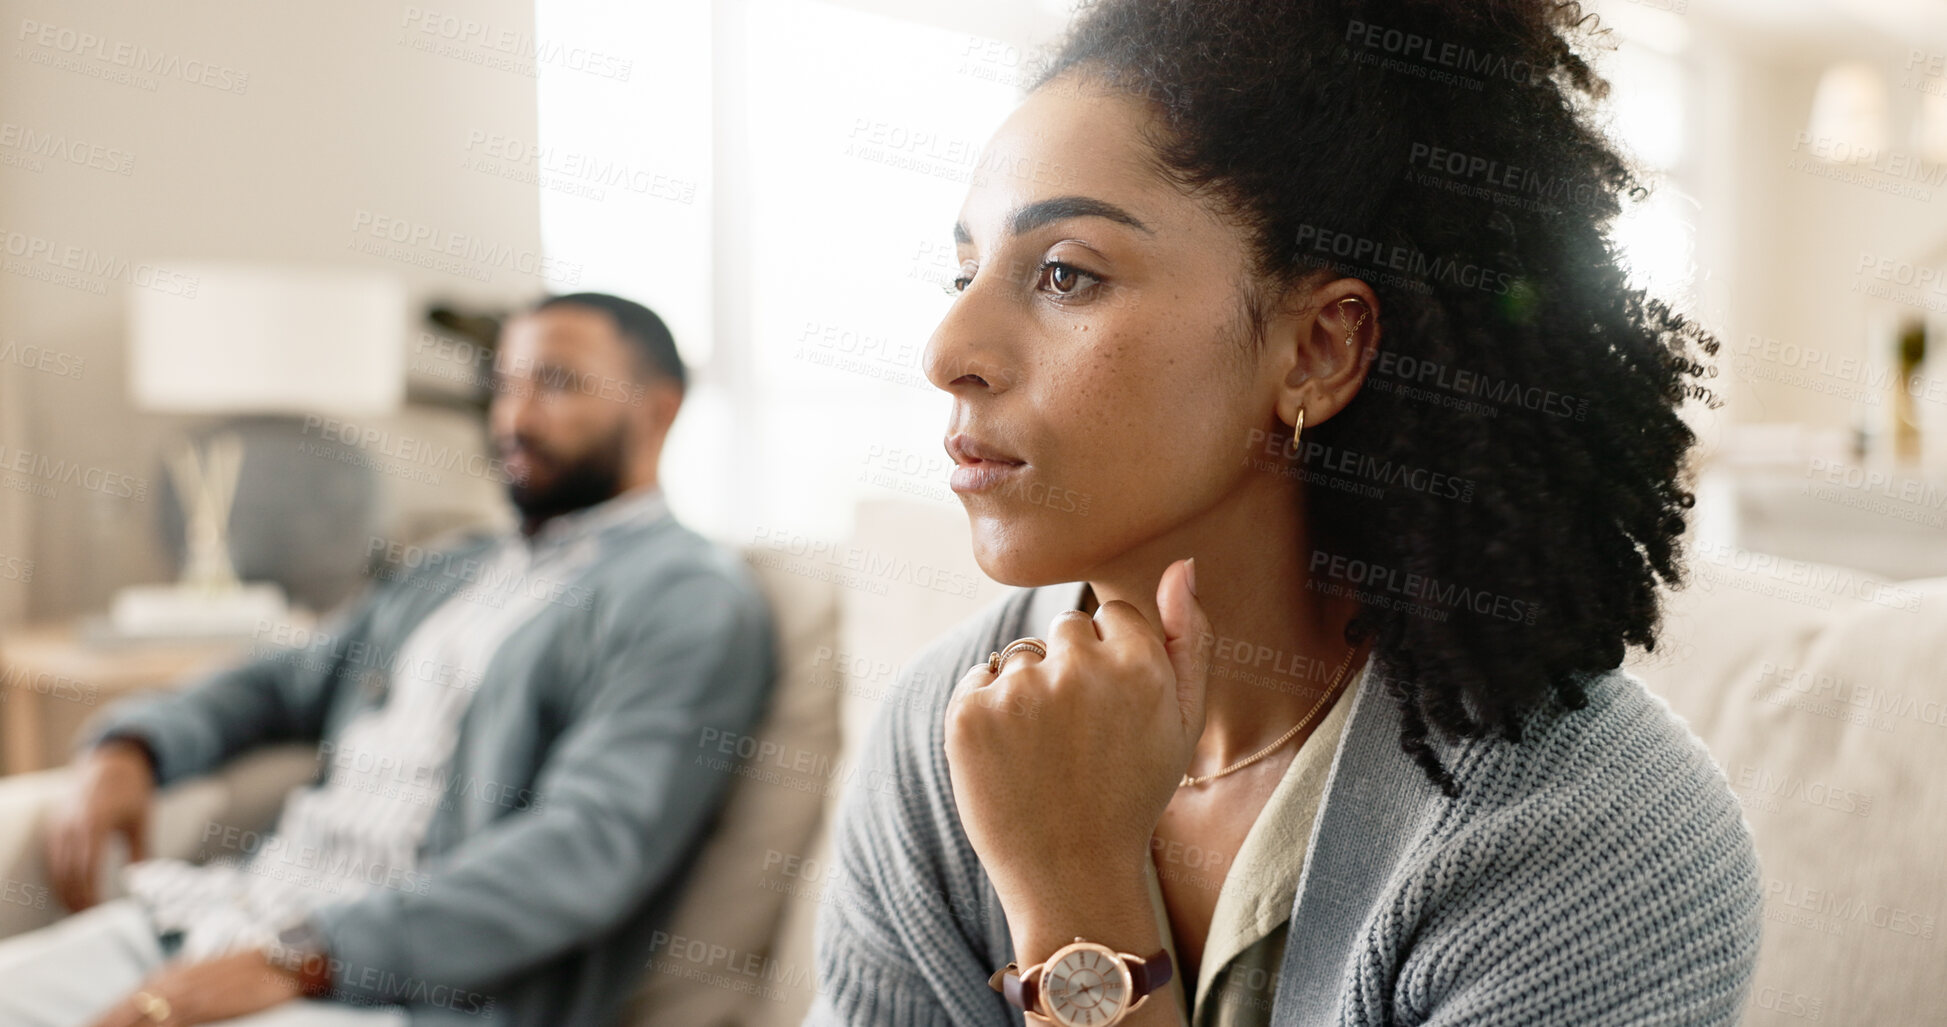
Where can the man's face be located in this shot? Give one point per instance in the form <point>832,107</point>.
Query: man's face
<point>563,418</point>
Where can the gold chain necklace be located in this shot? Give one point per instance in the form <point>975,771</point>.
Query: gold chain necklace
<point>1189,781</point>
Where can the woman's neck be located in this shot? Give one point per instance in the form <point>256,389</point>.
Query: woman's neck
<point>1277,644</point>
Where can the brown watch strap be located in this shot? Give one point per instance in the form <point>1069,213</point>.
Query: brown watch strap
<point>314,975</point>
<point>1153,974</point>
<point>1023,991</point>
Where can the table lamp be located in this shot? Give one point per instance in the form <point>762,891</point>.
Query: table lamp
<point>249,340</point>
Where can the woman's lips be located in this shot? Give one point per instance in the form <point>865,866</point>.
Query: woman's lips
<point>979,466</point>
<point>982,475</point>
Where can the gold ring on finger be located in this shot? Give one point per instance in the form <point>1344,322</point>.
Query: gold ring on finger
<point>995,661</point>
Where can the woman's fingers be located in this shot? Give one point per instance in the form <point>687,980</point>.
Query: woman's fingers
<point>1100,715</point>
<point>1186,632</point>
<point>977,676</point>
<point>1121,624</point>
<point>1072,628</point>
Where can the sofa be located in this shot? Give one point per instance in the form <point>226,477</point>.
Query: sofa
<point>738,950</point>
<point>1821,692</point>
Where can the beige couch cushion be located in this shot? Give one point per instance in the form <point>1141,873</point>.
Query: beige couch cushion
<point>715,966</point>
<point>1822,693</point>
<point>915,579</point>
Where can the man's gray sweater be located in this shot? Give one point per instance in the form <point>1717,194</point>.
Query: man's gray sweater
<point>576,804</point>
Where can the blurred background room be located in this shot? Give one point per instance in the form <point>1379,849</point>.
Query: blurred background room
<point>254,259</point>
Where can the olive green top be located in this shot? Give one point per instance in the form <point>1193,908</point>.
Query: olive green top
<point>1241,957</point>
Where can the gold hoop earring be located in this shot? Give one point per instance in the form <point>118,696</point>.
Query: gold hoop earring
<point>1291,449</point>
<point>1354,330</point>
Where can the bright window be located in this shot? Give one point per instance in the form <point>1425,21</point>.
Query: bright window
<point>833,148</point>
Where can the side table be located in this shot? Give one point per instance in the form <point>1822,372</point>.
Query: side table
<point>52,682</point>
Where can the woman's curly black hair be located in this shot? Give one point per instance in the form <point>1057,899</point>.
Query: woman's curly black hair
<point>1443,152</point>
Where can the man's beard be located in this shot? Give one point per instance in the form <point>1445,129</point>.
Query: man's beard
<point>577,483</point>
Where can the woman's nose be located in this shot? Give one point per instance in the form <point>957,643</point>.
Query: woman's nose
<point>967,349</point>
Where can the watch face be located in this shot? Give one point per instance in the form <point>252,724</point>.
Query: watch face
<point>1085,985</point>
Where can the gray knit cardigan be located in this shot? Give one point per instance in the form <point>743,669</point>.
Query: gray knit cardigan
<point>1599,872</point>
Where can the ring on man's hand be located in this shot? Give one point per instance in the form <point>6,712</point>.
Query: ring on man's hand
<point>155,1007</point>
<point>995,661</point>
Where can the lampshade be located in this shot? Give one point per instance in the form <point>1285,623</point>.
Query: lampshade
<point>252,338</point>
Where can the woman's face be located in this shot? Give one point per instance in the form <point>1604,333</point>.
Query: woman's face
<point>1106,393</point>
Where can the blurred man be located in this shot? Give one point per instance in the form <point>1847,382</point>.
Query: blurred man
<point>509,798</point>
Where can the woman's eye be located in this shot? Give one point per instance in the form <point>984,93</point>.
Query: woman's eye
<point>1064,279</point>
<point>1054,277</point>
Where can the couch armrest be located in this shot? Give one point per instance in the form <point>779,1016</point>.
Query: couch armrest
<point>245,795</point>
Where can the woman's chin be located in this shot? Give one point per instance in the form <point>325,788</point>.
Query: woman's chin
<point>1022,559</point>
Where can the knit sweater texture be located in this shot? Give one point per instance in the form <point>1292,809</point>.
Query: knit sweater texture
<point>1598,872</point>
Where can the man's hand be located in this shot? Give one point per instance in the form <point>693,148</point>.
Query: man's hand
<point>117,785</point>
<point>223,988</point>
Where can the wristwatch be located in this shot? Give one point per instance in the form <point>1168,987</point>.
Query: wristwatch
<point>1084,984</point>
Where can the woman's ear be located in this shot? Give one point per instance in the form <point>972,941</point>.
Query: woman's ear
<point>1324,339</point>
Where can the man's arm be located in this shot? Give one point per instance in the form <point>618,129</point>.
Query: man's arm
<point>623,798</point>
<point>282,696</point>
<point>142,744</point>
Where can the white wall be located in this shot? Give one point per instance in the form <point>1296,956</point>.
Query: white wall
<point>340,109</point>
<point>1778,246</point>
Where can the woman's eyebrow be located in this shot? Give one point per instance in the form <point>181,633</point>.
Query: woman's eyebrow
<point>1060,208</point>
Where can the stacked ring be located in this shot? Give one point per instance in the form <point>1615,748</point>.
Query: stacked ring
<point>995,661</point>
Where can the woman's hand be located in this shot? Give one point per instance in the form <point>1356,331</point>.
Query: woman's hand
<point>1062,765</point>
